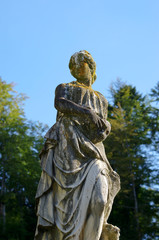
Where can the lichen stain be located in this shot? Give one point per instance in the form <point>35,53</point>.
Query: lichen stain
<point>81,85</point>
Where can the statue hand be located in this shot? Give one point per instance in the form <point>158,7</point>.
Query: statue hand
<point>96,119</point>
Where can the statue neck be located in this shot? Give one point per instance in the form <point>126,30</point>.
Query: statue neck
<point>86,82</point>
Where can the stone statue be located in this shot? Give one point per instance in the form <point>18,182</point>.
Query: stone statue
<point>77,186</point>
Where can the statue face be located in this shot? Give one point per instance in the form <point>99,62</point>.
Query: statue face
<point>82,72</point>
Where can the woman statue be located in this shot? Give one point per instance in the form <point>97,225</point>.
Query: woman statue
<point>77,185</point>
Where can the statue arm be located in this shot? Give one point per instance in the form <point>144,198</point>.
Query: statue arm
<point>66,106</point>
<point>69,107</point>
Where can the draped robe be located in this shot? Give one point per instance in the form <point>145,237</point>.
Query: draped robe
<point>72,160</point>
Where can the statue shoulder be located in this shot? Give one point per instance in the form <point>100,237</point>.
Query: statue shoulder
<point>65,90</point>
<point>102,98</point>
<point>61,85</point>
<point>65,85</point>
<point>61,88</point>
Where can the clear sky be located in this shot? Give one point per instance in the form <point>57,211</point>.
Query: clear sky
<point>37,38</point>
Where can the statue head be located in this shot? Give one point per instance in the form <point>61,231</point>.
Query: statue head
<point>82,66</point>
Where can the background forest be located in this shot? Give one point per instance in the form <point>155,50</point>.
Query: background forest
<point>132,149</point>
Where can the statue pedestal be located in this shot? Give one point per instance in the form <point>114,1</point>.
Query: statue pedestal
<point>110,232</point>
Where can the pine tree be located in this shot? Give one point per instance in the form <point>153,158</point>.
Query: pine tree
<point>135,211</point>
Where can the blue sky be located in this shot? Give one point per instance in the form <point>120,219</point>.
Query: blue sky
<point>38,38</point>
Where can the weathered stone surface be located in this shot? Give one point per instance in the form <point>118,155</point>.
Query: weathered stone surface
<point>77,185</point>
<point>110,232</point>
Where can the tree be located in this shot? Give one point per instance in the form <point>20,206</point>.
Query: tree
<point>20,143</point>
<point>155,116</point>
<point>126,146</point>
